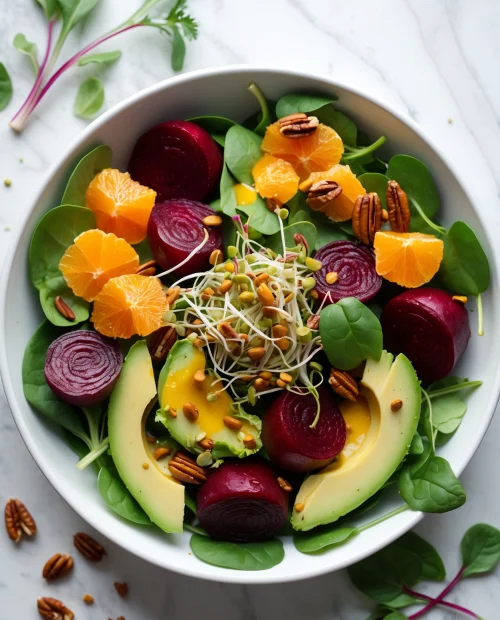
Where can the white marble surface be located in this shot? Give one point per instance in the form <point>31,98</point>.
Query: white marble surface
<point>435,60</point>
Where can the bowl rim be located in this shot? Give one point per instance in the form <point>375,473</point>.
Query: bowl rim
<point>239,577</point>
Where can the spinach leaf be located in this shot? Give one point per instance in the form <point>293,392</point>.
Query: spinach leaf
<point>327,231</point>
<point>375,182</point>
<point>265,114</point>
<point>5,87</point>
<point>228,201</point>
<point>144,251</point>
<point>245,556</point>
<point>178,49</point>
<point>447,413</point>
<point>49,7</point>
<point>307,229</point>
<point>26,47</point>
<point>343,125</point>
<point>323,537</point>
<point>242,152</point>
<point>216,126</point>
<point>89,98</point>
<point>90,164</point>
<point>293,103</point>
<point>99,59</point>
<point>396,615</point>
<point>56,287</point>
<point>432,488</point>
<point>425,425</point>
<point>432,565</point>
<point>362,155</point>
<point>480,549</point>
<point>118,498</point>
<point>417,445</point>
<point>73,11</point>
<point>350,333</point>
<point>259,217</point>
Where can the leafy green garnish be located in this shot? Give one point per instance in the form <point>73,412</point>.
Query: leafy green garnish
<point>28,48</point>
<point>480,549</point>
<point>242,152</point>
<point>244,556</point>
<point>293,103</point>
<point>5,87</point>
<point>90,98</point>
<point>99,59</point>
<point>86,169</point>
<point>116,495</point>
<point>265,113</point>
<point>375,182</point>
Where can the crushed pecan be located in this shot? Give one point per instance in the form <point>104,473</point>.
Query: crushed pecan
<point>18,520</point>
<point>343,384</point>
<point>285,485</point>
<point>52,609</point>
<point>184,468</point>
<point>63,309</point>
<point>89,547</point>
<point>322,193</point>
<point>298,125</point>
<point>173,295</point>
<point>313,321</point>
<point>367,217</point>
<point>121,588</point>
<point>160,343</point>
<point>299,239</point>
<point>397,207</point>
<point>58,566</point>
<point>147,269</point>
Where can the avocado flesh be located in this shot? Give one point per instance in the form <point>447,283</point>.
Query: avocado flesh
<point>345,484</point>
<point>157,492</point>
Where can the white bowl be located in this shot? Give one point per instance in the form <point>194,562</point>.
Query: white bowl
<point>224,92</point>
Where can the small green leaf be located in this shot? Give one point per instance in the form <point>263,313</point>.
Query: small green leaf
<point>323,537</point>
<point>305,228</point>
<point>85,170</point>
<point>100,59</point>
<point>49,7</point>
<point>265,114</point>
<point>417,446</point>
<point>56,287</point>
<point>432,565</point>
<point>242,152</point>
<point>178,49</point>
<point>396,615</point>
<point>259,217</point>
<point>244,556</point>
<point>26,47</point>
<point>293,103</point>
<point>480,549</point>
<point>375,182</point>
<point>447,413</point>
<point>73,11</point>
<point>228,201</point>
<point>90,98</point>
<point>5,87</point>
<point>118,498</point>
<point>343,125</point>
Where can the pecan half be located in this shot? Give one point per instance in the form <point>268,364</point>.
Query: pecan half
<point>367,217</point>
<point>184,468</point>
<point>343,384</point>
<point>58,566</point>
<point>298,125</point>
<point>89,547</point>
<point>398,207</point>
<point>299,239</point>
<point>160,343</point>
<point>121,588</point>
<point>53,609</point>
<point>313,321</point>
<point>147,269</point>
<point>18,520</point>
<point>272,204</point>
<point>322,194</point>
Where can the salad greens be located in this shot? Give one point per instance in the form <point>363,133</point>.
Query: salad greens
<point>243,556</point>
<point>90,98</point>
<point>83,173</point>
<point>5,87</point>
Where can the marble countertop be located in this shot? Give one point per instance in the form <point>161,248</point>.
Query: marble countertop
<point>435,60</point>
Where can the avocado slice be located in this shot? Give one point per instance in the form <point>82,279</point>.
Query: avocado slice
<point>364,466</point>
<point>149,481</point>
<point>176,386</point>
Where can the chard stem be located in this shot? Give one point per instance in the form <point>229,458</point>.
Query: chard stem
<point>480,329</point>
<point>93,455</point>
<point>383,518</point>
<point>440,597</point>
<point>459,608</point>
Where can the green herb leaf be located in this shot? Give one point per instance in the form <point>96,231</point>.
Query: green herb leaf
<point>327,231</point>
<point>247,556</point>
<point>305,228</point>
<point>86,169</point>
<point>26,47</point>
<point>293,103</point>
<point>350,333</point>
<point>375,182</point>
<point>56,287</point>
<point>242,152</point>
<point>480,549</point>
<point>432,488</point>
<point>447,413</point>
<point>49,7</point>
<point>178,49</point>
<point>5,87</point>
<point>90,98</point>
<point>396,615</point>
<point>323,537</point>
<point>118,498</point>
<point>259,217</point>
<point>228,201</point>
<point>73,11</point>
<point>417,445</point>
<point>99,59</point>
<point>265,114</point>
<point>343,125</point>
<point>432,565</point>
<point>362,155</point>
<point>217,126</point>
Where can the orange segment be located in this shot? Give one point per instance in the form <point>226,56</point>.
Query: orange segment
<point>313,153</point>
<point>95,258</point>
<point>275,178</point>
<point>409,259</point>
<point>121,206</point>
<point>341,208</point>
<point>128,306</point>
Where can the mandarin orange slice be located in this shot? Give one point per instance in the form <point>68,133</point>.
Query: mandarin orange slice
<point>340,209</point>
<point>275,178</point>
<point>121,206</point>
<point>408,259</point>
<point>93,259</point>
<point>128,306</point>
<point>319,151</point>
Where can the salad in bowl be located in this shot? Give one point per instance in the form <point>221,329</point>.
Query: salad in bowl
<point>250,333</point>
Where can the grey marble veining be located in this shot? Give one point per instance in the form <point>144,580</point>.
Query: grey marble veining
<point>435,60</point>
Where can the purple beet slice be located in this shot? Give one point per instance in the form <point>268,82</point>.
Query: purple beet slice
<point>287,435</point>
<point>175,229</point>
<point>178,159</point>
<point>429,327</point>
<point>242,502</point>
<point>82,367</point>
<point>355,268</point>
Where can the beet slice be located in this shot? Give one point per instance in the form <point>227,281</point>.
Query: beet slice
<point>175,228</point>
<point>429,327</point>
<point>290,442</point>
<point>242,502</point>
<point>178,159</point>
<point>82,367</point>
<point>355,267</point>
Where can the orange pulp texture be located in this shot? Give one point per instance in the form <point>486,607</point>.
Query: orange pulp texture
<point>275,178</point>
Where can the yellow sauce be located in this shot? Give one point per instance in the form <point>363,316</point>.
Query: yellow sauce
<point>245,194</point>
<point>357,418</point>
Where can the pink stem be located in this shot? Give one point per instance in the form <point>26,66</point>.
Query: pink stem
<point>459,608</point>
<point>440,597</point>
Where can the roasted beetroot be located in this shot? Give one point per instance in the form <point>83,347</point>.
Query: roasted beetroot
<point>242,502</point>
<point>287,435</point>
<point>175,228</point>
<point>355,268</point>
<point>177,159</point>
<point>429,327</point>
<point>82,367</point>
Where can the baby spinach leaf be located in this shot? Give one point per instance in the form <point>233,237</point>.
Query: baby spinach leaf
<point>465,269</point>
<point>343,125</point>
<point>78,446</point>
<point>417,445</point>
<point>259,217</point>
<point>244,556</point>
<point>73,11</point>
<point>5,87</point>
<point>89,98</point>
<point>178,49</point>
<point>26,47</point>
<point>216,126</point>
<point>321,538</point>
<point>350,333</point>
<point>375,182</point>
<point>425,425</point>
<point>432,565</point>
<point>362,155</point>
<point>432,488</point>
<point>242,152</point>
<point>480,549</point>
<point>99,59</point>
<point>447,413</point>
<point>228,201</point>
<point>49,7</point>
<point>327,231</point>
<point>303,228</point>
<point>265,114</point>
<point>90,164</point>
<point>293,103</point>
<point>57,287</point>
<point>118,498</point>
<point>144,251</point>
<point>396,615</point>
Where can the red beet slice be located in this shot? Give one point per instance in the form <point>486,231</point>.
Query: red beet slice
<point>355,267</point>
<point>82,367</point>
<point>290,442</point>
<point>177,159</point>
<point>429,327</point>
<point>175,228</point>
<point>242,502</point>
